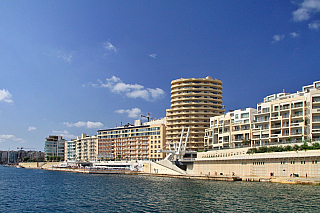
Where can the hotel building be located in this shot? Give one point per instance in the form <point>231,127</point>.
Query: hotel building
<point>133,142</point>
<point>193,102</point>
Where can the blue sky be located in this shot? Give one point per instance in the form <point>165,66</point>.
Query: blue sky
<point>72,67</point>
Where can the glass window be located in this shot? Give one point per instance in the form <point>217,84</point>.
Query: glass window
<point>245,115</point>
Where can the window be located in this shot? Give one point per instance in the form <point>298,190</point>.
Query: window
<point>245,115</point>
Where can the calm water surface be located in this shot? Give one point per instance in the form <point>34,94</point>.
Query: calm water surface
<point>27,190</point>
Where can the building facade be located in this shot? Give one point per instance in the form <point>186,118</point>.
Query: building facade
<point>133,142</point>
<point>236,162</point>
<point>70,150</point>
<point>285,117</point>
<point>281,118</point>
<point>231,130</point>
<point>84,148</point>
<point>193,102</point>
<point>54,146</point>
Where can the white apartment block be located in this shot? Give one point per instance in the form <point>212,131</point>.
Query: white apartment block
<point>231,130</point>
<point>281,118</point>
<point>70,150</point>
<point>285,118</point>
<point>84,148</point>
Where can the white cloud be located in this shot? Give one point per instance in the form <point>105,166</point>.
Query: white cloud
<point>66,57</point>
<point>294,35</point>
<point>122,87</point>
<point>64,134</point>
<point>132,113</point>
<point>138,94</point>
<point>130,90</point>
<point>306,9</point>
<point>32,128</point>
<point>277,38</point>
<point>4,138</point>
<point>5,96</point>
<point>94,125</point>
<point>156,93</point>
<point>153,55</point>
<point>108,46</point>
<point>314,25</point>
<point>88,124</point>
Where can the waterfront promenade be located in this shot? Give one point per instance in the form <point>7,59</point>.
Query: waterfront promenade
<point>283,180</point>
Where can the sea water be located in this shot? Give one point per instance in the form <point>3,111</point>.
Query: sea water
<point>28,190</point>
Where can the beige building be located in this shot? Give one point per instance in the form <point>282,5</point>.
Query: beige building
<point>281,118</point>
<point>193,102</point>
<point>231,130</point>
<point>133,142</point>
<point>288,118</point>
<point>236,162</point>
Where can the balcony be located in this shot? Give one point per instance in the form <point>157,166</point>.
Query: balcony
<point>276,127</point>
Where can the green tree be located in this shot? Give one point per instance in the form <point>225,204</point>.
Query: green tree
<point>295,147</point>
<point>288,148</point>
<point>315,146</point>
<point>25,159</point>
<point>262,149</point>
<point>304,146</point>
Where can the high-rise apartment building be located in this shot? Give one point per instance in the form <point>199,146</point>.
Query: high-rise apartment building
<point>193,102</point>
<point>133,142</point>
<point>54,146</point>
